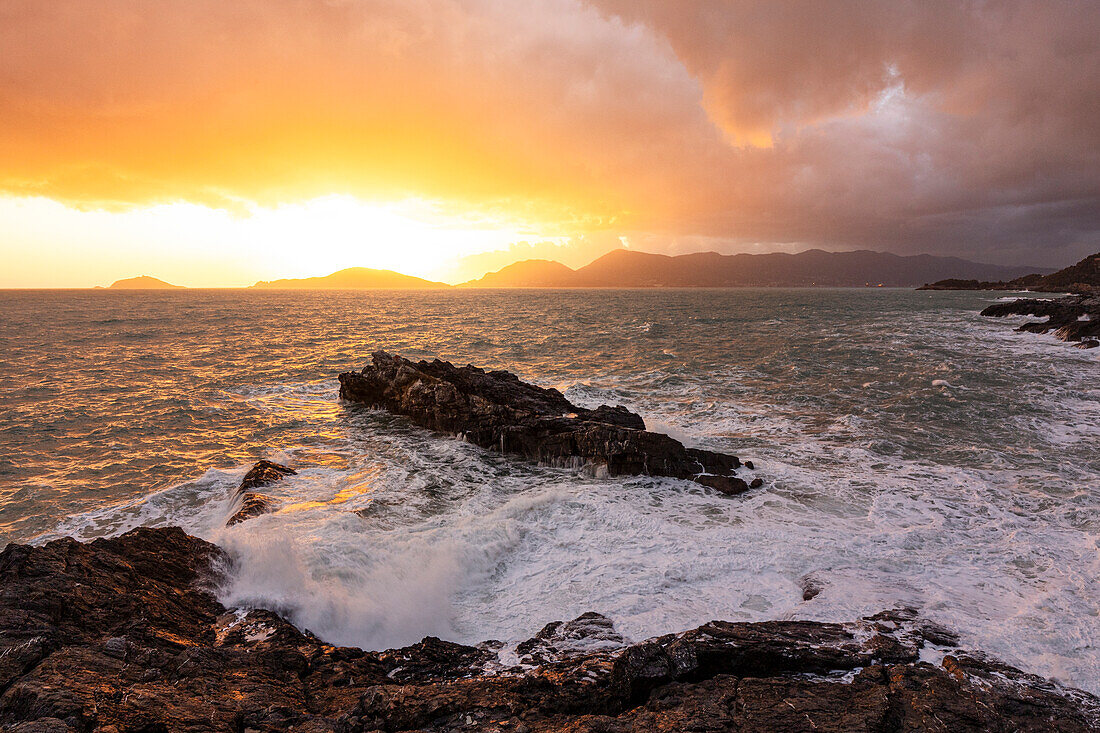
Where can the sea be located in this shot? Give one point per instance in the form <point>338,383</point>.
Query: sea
<point>913,454</point>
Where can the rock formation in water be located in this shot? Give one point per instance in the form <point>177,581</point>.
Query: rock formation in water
<point>253,503</point>
<point>1073,318</point>
<point>125,635</point>
<point>496,410</point>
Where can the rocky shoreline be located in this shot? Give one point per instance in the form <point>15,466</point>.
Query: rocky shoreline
<point>127,634</point>
<point>1073,318</point>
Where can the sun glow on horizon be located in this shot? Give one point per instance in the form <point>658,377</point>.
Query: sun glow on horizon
<point>199,246</point>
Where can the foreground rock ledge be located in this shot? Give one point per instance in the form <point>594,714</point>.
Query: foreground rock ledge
<point>123,635</point>
<point>496,410</point>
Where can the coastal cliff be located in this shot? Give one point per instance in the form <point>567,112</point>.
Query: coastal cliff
<point>127,634</point>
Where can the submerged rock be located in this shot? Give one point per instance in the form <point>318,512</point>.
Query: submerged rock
<point>124,634</point>
<point>253,503</point>
<point>496,410</point>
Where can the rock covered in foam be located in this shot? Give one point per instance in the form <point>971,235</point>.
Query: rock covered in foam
<point>254,503</point>
<point>124,634</point>
<point>496,410</point>
<point>561,640</point>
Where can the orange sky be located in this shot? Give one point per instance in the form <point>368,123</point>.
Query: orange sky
<point>217,143</point>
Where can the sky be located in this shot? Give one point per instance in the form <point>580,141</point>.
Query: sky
<point>214,143</point>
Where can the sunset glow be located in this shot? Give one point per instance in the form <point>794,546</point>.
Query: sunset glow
<point>219,144</point>
<point>201,246</point>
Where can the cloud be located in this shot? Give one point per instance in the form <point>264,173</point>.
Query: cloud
<point>953,127</point>
<point>910,125</point>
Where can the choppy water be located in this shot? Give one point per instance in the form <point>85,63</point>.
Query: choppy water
<point>915,454</point>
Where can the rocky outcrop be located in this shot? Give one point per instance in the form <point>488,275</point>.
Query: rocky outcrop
<point>254,503</point>
<point>496,410</point>
<point>125,635</point>
<point>1073,318</point>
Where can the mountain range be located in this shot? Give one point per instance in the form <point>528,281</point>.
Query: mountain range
<point>629,269</point>
<point>625,268</point>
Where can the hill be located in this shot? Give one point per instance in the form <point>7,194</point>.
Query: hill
<point>143,282</point>
<point>629,269</point>
<point>1079,278</point>
<point>533,273</point>
<point>353,278</point>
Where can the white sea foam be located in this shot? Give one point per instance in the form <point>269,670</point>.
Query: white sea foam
<point>977,506</point>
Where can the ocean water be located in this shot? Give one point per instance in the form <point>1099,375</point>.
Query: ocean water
<point>913,453</point>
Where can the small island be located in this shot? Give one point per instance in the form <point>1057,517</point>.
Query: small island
<point>143,282</point>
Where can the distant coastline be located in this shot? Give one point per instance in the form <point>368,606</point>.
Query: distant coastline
<point>1082,277</point>
<point>625,268</point>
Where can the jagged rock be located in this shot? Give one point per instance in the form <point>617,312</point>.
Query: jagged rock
<point>264,473</point>
<point>561,640</point>
<point>496,410</point>
<point>191,664</point>
<point>1073,318</point>
<point>253,503</point>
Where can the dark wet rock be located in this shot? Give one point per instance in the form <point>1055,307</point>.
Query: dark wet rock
<point>1091,344</point>
<point>497,411</point>
<point>191,664</point>
<point>1073,318</point>
<point>811,587</point>
<point>728,485</point>
<point>749,465</point>
<point>756,483</point>
<point>253,503</point>
<point>264,473</point>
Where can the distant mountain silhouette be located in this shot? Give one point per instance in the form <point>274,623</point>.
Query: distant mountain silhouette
<point>143,282</point>
<point>533,273</point>
<point>353,278</point>
<point>629,269</point>
<point>1081,277</point>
